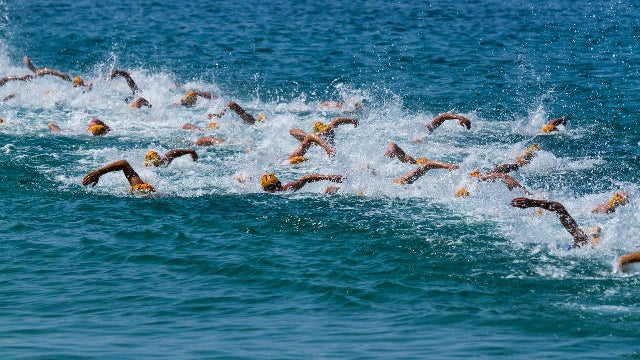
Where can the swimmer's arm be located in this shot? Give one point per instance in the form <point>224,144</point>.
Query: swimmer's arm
<point>414,175</point>
<point>169,156</point>
<point>298,134</point>
<point>628,259</point>
<point>15,78</point>
<point>510,181</point>
<point>125,74</point>
<point>558,121</point>
<point>122,165</point>
<point>603,209</point>
<point>53,127</point>
<point>248,118</point>
<point>343,120</point>
<point>204,94</point>
<point>298,184</point>
<point>579,237</point>
<point>29,64</point>
<point>438,120</point>
<point>45,71</point>
<point>393,150</point>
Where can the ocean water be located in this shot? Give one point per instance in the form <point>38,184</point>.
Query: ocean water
<point>209,267</point>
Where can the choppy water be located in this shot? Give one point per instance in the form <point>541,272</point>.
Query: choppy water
<point>208,267</point>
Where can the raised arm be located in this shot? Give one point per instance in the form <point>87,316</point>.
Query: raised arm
<point>122,165</point>
<point>628,259</point>
<point>308,140</point>
<point>579,236</point>
<point>125,74</point>
<point>448,116</point>
<point>393,150</point>
<point>172,154</point>
<point>248,118</point>
<point>15,78</point>
<point>335,122</point>
<point>508,180</point>
<point>298,184</point>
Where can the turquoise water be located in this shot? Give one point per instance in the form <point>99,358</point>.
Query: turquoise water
<point>208,267</point>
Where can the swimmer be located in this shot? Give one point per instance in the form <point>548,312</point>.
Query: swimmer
<point>137,185</point>
<point>628,259</point>
<point>125,74</point>
<point>552,125</point>
<point>438,120</point>
<point>580,238</point>
<point>425,165</point>
<point>152,158</point>
<point>393,150</point>
<point>97,127</point>
<point>297,156</point>
<point>326,131</point>
<point>53,127</point>
<point>139,103</point>
<point>4,80</point>
<point>209,141</point>
<point>9,97</point>
<point>189,99</point>
<point>620,198</point>
<point>270,182</point>
<point>244,115</point>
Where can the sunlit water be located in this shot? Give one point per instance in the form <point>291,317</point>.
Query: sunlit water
<point>210,267</point>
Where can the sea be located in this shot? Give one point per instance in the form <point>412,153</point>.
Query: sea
<point>210,266</point>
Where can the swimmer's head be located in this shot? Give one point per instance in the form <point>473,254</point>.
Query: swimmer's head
<point>213,126</point>
<point>270,182</point>
<point>189,99</point>
<point>320,127</point>
<point>142,188</point>
<point>98,129</point>
<point>261,117</point>
<point>532,149</point>
<point>77,81</point>
<point>421,161</point>
<point>297,160</point>
<point>620,198</point>
<point>549,128</point>
<point>1,121</point>
<point>462,192</point>
<point>594,234</point>
<point>475,173</point>
<point>152,158</point>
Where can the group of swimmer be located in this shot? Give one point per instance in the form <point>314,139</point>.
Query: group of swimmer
<point>323,135</point>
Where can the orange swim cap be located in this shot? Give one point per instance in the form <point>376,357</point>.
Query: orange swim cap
<point>142,188</point>
<point>549,128</point>
<point>98,130</point>
<point>77,81</point>
<point>269,180</point>
<point>152,158</point>
<point>462,192</point>
<point>213,126</point>
<point>475,173</point>
<point>297,160</point>
<point>421,161</point>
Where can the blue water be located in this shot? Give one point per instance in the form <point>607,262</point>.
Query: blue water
<point>209,267</point>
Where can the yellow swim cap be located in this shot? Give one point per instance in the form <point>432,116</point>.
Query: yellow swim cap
<point>475,173</point>
<point>620,198</point>
<point>142,188</point>
<point>213,126</point>
<point>530,150</point>
<point>1,121</point>
<point>269,180</point>
<point>98,129</point>
<point>320,127</point>
<point>297,159</point>
<point>77,81</point>
<point>152,158</point>
<point>421,161</point>
<point>462,192</point>
<point>549,128</point>
<point>189,98</point>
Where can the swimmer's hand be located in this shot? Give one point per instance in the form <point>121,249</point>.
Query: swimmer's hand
<point>465,123</point>
<point>91,179</point>
<point>523,203</point>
